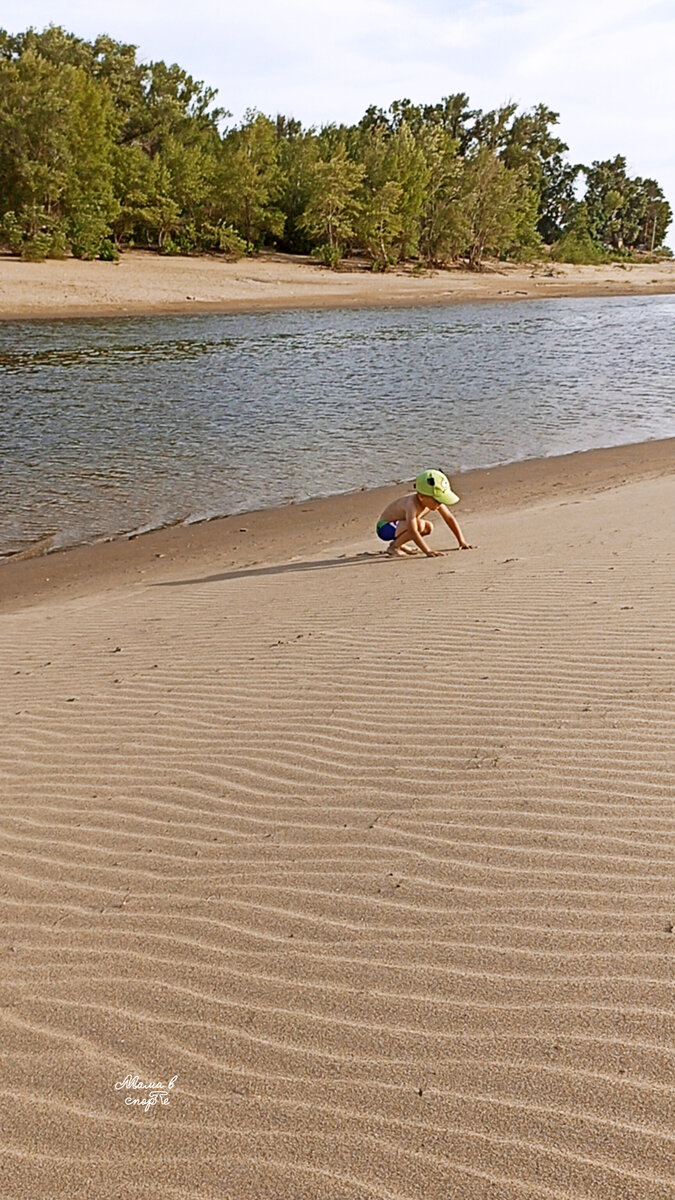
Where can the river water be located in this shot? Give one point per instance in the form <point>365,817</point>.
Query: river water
<point>116,425</point>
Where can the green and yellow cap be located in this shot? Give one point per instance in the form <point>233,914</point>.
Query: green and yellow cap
<point>436,484</point>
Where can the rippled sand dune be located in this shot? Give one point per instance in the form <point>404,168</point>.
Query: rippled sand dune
<point>375,856</point>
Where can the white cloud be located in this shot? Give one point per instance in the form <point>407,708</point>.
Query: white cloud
<point>604,65</point>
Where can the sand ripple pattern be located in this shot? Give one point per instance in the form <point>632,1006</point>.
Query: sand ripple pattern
<point>376,857</point>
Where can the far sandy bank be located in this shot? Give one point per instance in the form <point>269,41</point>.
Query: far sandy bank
<point>143,283</point>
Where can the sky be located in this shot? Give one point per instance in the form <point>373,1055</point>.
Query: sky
<point>606,66</point>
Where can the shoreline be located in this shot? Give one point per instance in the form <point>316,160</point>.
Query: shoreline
<point>145,284</point>
<point>309,526</point>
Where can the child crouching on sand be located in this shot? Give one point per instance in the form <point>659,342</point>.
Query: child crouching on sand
<point>402,520</point>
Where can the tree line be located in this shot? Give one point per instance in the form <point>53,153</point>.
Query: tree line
<point>99,151</point>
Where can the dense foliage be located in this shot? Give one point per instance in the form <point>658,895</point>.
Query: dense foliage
<point>100,151</point>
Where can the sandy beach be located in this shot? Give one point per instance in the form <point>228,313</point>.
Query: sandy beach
<point>371,859</point>
<point>148,283</point>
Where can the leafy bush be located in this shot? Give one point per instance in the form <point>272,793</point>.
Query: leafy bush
<point>640,256</point>
<point>229,242</point>
<point>11,233</point>
<point>32,241</point>
<point>525,254</point>
<point>191,239</point>
<point>58,244</point>
<point>579,249</point>
<point>36,249</point>
<point>108,251</point>
<point>329,255</point>
<point>170,247</point>
<point>576,244</point>
<point>187,239</point>
<point>35,238</point>
<point>87,232</point>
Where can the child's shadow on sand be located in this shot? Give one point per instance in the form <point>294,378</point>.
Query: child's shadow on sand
<point>288,568</point>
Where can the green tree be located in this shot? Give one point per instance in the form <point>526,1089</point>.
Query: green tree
<point>499,208</point>
<point>528,144</point>
<point>492,130</point>
<point>114,64</point>
<point>379,226</point>
<point>607,198</point>
<point>443,223</point>
<point>452,114</point>
<point>379,221</point>
<point>624,212</point>
<point>617,204</point>
<point>34,157</point>
<point>557,196</point>
<point>657,215</point>
<point>297,153</point>
<point>89,203</point>
<point>168,153</point>
<point>250,179</point>
<point>408,167</point>
<point>396,177</point>
<point>56,142</point>
<point>333,206</point>
<point>174,106</point>
<point>53,44</point>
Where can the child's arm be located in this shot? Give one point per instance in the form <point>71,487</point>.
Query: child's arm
<point>453,525</point>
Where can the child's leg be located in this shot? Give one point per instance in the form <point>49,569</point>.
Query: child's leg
<point>404,534</point>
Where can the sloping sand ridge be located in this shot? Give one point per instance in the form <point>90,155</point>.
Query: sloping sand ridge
<point>375,856</point>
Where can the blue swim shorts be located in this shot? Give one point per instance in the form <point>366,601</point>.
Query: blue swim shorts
<point>386,530</point>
